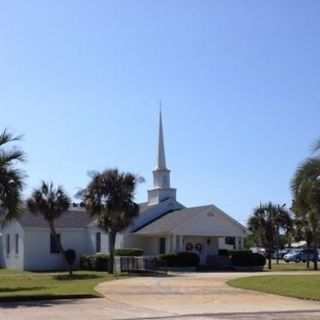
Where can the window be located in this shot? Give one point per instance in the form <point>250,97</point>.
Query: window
<point>17,243</point>
<point>230,241</point>
<point>8,243</point>
<point>53,244</point>
<point>98,242</point>
<point>162,245</point>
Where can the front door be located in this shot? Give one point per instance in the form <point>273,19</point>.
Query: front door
<point>197,246</point>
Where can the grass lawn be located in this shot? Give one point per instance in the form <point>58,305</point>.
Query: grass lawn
<point>291,266</point>
<point>298,286</point>
<point>33,285</point>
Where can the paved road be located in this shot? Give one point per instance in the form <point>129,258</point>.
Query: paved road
<point>180,296</point>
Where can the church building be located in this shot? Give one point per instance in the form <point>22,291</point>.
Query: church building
<point>164,225</point>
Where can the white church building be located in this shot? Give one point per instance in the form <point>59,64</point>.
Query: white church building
<point>164,225</point>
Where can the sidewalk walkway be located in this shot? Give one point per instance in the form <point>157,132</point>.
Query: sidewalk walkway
<point>179,296</point>
<point>195,293</point>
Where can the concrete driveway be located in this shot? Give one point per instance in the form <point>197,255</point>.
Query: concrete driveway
<point>179,296</point>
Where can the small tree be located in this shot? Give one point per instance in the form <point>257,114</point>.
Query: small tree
<point>11,178</point>
<point>266,221</point>
<point>302,230</point>
<point>51,203</point>
<point>305,187</point>
<point>109,197</point>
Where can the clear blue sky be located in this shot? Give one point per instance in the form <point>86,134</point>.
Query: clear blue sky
<point>239,83</point>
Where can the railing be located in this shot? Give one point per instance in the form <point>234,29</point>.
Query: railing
<point>143,264</point>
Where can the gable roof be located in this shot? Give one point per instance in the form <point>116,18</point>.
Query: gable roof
<point>143,207</point>
<point>70,219</point>
<point>187,221</point>
<point>73,218</point>
<point>171,220</point>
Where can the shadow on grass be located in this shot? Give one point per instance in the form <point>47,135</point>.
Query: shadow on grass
<point>47,300</point>
<point>66,277</point>
<point>18,289</point>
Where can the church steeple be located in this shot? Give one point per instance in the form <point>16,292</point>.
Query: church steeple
<point>161,160</point>
<point>161,175</point>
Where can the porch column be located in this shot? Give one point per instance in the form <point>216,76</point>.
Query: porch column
<point>181,243</point>
<point>174,243</point>
<point>239,243</point>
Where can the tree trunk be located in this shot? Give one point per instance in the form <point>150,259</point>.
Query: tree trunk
<point>55,236</point>
<point>308,256</point>
<point>315,246</point>
<point>112,241</point>
<point>277,245</point>
<point>270,255</point>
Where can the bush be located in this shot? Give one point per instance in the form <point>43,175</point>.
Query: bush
<point>188,259</point>
<point>170,258</point>
<point>181,259</point>
<point>96,262</point>
<point>85,262</point>
<point>70,256</point>
<point>223,252</point>
<point>132,252</point>
<point>247,259</point>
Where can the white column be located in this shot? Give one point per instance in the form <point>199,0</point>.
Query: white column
<point>174,243</point>
<point>239,243</point>
<point>181,243</point>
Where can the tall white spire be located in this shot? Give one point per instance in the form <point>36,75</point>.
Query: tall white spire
<point>161,159</point>
<point>161,175</point>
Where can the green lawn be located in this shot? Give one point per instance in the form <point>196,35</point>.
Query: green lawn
<point>18,284</point>
<point>289,267</point>
<point>298,286</point>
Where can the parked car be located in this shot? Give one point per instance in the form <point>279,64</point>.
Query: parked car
<point>298,255</point>
<point>280,253</point>
<point>293,255</point>
<point>305,252</point>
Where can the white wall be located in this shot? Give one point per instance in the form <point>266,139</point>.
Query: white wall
<point>12,260</point>
<point>150,245</point>
<point>37,248</point>
<point>104,240</point>
<point>208,224</point>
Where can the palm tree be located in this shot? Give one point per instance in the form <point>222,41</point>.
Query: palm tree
<point>11,178</point>
<point>51,203</point>
<point>109,197</point>
<point>266,221</point>
<point>283,221</point>
<point>302,231</point>
<point>305,187</point>
<point>316,146</point>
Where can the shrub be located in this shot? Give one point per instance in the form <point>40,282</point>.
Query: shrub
<point>181,259</point>
<point>100,262</point>
<point>188,259</point>
<point>70,256</point>
<point>170,258</point>
<point>85,262</point>
<point>246,259</point>
<point>96,262</point>
<point>223,252</point>
<point>132,252</point>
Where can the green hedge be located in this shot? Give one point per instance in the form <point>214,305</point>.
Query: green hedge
<point>170,258</point>
<point>133,252</point>
<point>96,262</point>
<point>181,259</point>
<point>247,258</point>
<point>224,253</point>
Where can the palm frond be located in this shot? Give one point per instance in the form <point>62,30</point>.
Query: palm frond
<point>315,146</point>
<point>7,137</point>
